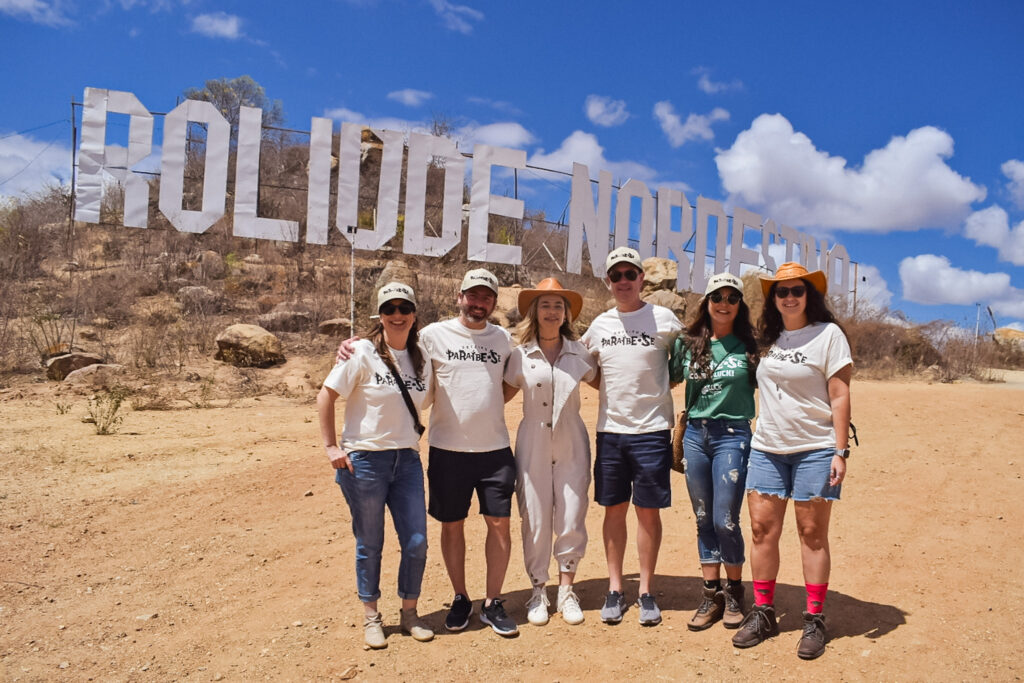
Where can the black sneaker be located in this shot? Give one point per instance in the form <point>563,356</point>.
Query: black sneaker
<point>458,615</point>
<point>812,642</point>
<point>494,616</point>
<point>757,626</point>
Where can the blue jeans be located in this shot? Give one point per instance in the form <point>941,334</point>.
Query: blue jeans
<point>716,454</point>
<point>393,478</point>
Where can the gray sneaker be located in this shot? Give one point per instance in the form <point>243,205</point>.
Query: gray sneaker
<point>650,615</point>
<point>614,606</point>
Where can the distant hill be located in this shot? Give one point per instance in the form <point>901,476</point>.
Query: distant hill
<point>1008,334</point>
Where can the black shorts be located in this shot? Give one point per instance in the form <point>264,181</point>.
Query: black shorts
<point>453,476</point>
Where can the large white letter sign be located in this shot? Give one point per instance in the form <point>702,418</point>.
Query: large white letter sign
<point>584,218</point>
<point>769,233</point>
<point>247,182</point>
<point>348,177</point>
<point>386,224</point>
<point>623,205</point>
<point>172,166</point>
<point>673,242</point>
<point>705,208</point>
<point>96,156</point>
<point>741,220</point>
<point>422,149</point>
<point>318,197</point>
<point>837,252</point>
<point>482,204</point>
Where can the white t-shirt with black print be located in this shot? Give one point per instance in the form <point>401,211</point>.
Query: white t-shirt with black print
<point>794,412</point>
<point>469,407</point>
<point>632,350</point>
<point>376,417</point>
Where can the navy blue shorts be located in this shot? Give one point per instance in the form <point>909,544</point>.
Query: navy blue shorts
<point>452,477</point>
<point>636,465</point>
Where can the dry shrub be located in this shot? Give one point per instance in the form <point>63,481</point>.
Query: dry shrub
<point>884,349</point>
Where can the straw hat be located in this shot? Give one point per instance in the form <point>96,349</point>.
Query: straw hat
<point>551,286</point>
<point>794,271</point>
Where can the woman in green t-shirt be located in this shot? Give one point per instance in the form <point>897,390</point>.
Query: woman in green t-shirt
<point>718,359</point>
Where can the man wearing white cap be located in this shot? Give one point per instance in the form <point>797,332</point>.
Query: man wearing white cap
<point>469,444</point>
<point>631,343</point>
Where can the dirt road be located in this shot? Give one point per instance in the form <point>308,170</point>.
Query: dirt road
<point>213,544</point>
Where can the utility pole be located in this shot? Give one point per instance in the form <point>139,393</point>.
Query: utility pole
<point>351,230</point>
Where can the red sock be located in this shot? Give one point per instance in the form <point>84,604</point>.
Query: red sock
<point>764,592</point>
<point>816,597</point>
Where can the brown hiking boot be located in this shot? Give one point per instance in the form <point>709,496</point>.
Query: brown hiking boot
<point>733,606</point>
<point>757,626</point>
<point>709,611</point>
<point>812,643</point>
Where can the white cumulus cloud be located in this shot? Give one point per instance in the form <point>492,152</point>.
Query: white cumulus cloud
<point>1014,170</point>
<point>218,25</point>
<point>456,17</point>
<point>410,97</point>
<point>503,134</point>
<point>27,165</point>
<point>903,186</point>
<point>872,289</point>
<point>36,11</point>
<point>931,279</point>
<point>696,127</point>
<point>604,111</point>
<point>991,227</point>
<point>585,149</point>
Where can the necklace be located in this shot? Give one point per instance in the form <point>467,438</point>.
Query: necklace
<point>549,338</point>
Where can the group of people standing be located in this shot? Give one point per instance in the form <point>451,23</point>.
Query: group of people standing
<point>467,369</point>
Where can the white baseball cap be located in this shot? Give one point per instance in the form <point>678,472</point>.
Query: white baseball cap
<point>395,290</point>
<point>481,277</point>
<point>724,280</point>
<point>623,255</point>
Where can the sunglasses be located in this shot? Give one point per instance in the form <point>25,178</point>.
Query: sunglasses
<point>630,275</point>
<point>405,308</point>
<point>732,298</point>
<point>796,290</point>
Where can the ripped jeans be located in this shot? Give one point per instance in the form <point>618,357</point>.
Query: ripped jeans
<point>716,453</point>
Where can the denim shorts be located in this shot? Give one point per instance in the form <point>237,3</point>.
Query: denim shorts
<point>801,476</point>
<point>637,464</point>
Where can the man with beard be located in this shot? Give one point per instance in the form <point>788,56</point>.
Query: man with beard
<point>469,444</point>
<point>631,343</point>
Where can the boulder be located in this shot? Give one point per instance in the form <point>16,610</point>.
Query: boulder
<point>59,367</point>
<point>336,327</point>
<point>211,265</point>
<point>249,346</point>
<point>395,271</point>
<point>286,321</point>
<point>660,273</point>
<point>199,300</point>
<point>98,375</point>
<point>668,299</point>
<point>253,258</point>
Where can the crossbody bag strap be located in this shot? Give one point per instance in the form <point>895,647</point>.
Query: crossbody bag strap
<point>408,399</point>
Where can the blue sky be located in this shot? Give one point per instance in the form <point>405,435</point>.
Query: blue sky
<point>895,129</point>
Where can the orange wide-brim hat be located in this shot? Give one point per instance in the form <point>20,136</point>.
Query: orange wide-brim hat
<point>551,286</point>
<point>794,271</point>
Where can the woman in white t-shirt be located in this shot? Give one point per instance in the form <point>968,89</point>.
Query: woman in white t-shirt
<point>552,445</point>
<point>799,447</point>
<point>377,462</point>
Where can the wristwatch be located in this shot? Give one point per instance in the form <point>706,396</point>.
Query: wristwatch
<point>843,453</point>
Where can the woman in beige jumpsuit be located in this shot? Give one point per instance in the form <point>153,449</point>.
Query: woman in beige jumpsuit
<point>552,445</point>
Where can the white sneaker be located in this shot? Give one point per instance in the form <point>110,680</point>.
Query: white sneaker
<point>569,605</point>
<point>537,607</point>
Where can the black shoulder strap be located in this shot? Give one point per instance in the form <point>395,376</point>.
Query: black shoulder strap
<point>405,395</point>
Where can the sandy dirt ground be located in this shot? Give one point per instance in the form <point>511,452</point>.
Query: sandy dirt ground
<point>213,544</point>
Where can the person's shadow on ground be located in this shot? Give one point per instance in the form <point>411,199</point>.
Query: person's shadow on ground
<point>846,615</point>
